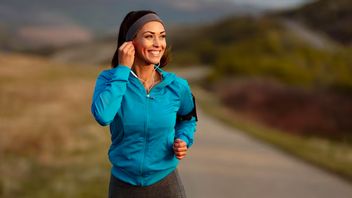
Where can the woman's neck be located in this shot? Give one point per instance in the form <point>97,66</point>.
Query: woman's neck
<point>143,71</point>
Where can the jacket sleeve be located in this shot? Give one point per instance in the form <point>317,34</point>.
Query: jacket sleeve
<point>109,90</point>
<point>185,129</point>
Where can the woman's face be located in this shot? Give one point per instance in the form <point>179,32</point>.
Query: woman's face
<point>150,43</point>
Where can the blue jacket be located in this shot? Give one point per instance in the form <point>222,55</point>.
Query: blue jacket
<point>142,126</point>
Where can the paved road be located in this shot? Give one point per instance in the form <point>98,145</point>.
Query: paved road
<point>226,163</point>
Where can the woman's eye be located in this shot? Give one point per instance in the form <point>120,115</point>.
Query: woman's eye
<point>163,36</point>
<point>149,36</point>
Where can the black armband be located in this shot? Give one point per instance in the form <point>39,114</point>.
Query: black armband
<point>191,114</point>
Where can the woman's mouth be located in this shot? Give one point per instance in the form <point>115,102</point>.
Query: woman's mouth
<point>155,52</point>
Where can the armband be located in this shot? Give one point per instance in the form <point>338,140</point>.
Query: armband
<point>191,114</point>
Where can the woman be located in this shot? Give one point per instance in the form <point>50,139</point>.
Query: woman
<point>151,112</point>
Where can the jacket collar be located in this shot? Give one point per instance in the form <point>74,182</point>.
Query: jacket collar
<point>167,78</point>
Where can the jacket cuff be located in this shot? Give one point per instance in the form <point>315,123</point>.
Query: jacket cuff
<point>184,138</point>
<point>120,72</point>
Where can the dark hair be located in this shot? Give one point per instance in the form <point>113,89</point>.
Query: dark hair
<point>127,22</point>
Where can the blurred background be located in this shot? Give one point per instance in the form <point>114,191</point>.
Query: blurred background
<point>280,71</point>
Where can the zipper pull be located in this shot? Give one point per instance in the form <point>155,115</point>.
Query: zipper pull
<point>149,96</point>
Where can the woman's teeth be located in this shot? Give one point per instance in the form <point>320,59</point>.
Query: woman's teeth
<point>155,53</point>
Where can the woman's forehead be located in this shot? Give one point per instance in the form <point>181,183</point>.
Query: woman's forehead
<point>153,27</point>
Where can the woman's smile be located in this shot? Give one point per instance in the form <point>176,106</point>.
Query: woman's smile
<point>155,53</point>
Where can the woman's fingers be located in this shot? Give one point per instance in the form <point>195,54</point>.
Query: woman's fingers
<point>123,45</point>
<point>179,145</point>
<point>126,48</point>
<point>126,54</point>
<point>181,153</point>
<point>180,142</point>
<point>180,156</point>
<point>180,148</point>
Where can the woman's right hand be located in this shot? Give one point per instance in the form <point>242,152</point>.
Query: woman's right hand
<point>126,54</point>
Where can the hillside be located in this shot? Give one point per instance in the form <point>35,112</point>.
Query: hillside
<point>248,46</point>
<point>334,17</point>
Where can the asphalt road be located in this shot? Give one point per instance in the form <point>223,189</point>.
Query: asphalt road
<point>223,162</point>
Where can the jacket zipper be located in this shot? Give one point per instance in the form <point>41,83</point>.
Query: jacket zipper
<point>145,141</point>
<point>145,129</point>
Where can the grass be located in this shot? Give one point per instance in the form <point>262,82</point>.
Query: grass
<point>50,145</point>
<point>335,157</point>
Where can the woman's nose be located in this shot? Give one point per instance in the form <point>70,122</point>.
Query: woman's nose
<point>156,42</point>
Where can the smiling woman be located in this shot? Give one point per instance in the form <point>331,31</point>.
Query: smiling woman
<point>150,44</point>
<point>151,112</point>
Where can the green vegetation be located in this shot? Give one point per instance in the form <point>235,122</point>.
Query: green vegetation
<point>262,47</point>
<point>333,156</point>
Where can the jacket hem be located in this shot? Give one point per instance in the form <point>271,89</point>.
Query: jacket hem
<point>126,177</point>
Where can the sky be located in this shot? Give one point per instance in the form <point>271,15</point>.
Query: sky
<point>272,4</point>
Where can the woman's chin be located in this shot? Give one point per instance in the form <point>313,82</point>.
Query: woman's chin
<point>153,62</point>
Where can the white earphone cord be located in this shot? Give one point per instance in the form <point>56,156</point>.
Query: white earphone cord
<point>145,80</point>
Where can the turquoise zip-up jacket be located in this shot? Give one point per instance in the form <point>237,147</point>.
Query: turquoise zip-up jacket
<point>143,125</point>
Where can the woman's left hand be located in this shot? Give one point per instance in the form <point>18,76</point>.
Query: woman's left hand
<point>180,148</point>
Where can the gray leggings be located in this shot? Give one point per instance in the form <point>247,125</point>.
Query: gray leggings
<point>169,187</point>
